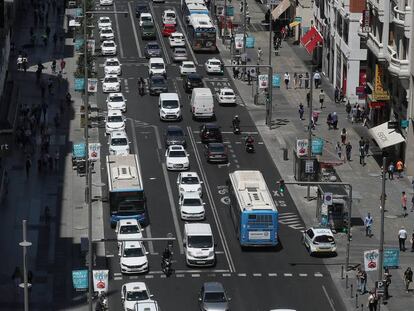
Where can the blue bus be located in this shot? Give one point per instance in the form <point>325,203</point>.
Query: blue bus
<point>201,33</point>
<point>252,209</point>
<point>126,192</point>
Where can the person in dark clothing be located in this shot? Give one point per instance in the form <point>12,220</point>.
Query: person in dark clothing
<point>348,150</point>
<point>301,111</point>
<point>28,166</point>
<point>308,95</point>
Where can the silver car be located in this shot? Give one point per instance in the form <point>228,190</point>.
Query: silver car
<point>213,297</point>
<point>180,54</point>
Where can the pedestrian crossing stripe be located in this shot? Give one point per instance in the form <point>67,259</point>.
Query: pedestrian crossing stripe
<point>291,220</point>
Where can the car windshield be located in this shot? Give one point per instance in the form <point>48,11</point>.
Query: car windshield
<point>146,19</point>
<point>158,81</point>
<point>128,229</point>
<point>137,295</point>
<point>170,104</point>
<point>216,148</point>
<point>115,119</point>
<point>133,252</point>
<point>169,27</point>
<point>148,26</point>
<point>106,30</point>
<point>157,66</point>
<point>323,239</point>
<point>189,180</point>
<point>116,99</point>
<point>108,44</point>
<point>153,47</point>
<point>105,20</point>
<point>119,142</point>
<point>188,66</point>
<point>170,15</point>
<point>175,133</point>
<point>176,37</point>
<point>179,51</point>
<point>200,241</point>
<point>112,63</point>
<point>214,63</point>
<point>177,154</point>
<point>228,93</point>
<point>192,202</point>
<point>111,80</point>
<point>214,297</point>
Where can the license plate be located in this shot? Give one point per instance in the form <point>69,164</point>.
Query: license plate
<point>201,262</point>
<point>259,235</point>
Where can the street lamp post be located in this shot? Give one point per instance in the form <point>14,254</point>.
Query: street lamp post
<point>382,209</point>
<point>310,131</point>
<point>25,244</point>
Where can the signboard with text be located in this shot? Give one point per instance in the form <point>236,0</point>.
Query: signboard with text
<point>263,81</point>
<point>302,147</point>
<point>80,279</point>
<point>100,280</point>
<point>391,258</point>
<point>371,260</point>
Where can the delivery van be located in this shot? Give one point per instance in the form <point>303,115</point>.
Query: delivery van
<point>199,245</point>
<point>202,103</point>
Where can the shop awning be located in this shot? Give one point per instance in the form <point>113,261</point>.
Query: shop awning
<point>385,137</point>
<point>282,7</point>
<point>294,24</point>
<point>311,39</point>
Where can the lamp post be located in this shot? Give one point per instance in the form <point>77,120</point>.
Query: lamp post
<point>310,132</point>
<point>25,285</point>
<point>382,209</point>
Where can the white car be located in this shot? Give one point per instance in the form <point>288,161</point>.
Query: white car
<point>116,101</point>
<point>176,39</point>
<point>319,240</point>
<point>111,83</point>
<point>104,21</point>
<point>226,96</point>
<point>176,158</point>
<point>133,257</point>
<point>169,107</point>
<point>134,292</point>
<point>106,2</point>
<point>146,305</point>
<point>108,47</point>
<point>118,143</point>
<point>106,34</point>
<point>112,66</point>
<point>145,18</point>
<point>213,65</point>
<point>168,17</point>
<point>187,67</point>
<point>128,230</point>
<point>191,206</point>
<point>114,121</point>
<point>156,66</point>
<point>189,182</point>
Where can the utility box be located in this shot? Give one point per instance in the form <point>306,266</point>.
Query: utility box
<point>304,167</point>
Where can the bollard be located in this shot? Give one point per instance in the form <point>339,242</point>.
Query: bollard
<point>346,281</point>
<point>356,300</point>
<point>342,272</point>
<point>352,290</point>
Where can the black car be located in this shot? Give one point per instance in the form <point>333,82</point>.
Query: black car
<point>216,152</point>
<point>152,49</point>
<point>174,135</point>
<point>141,7</point>
<point>191,81</point>
<point>210,133</point>
<point>157,85</point>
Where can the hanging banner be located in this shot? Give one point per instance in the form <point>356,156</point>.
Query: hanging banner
<point>301,147</point>
<point>91,46</point>
<point>92,85</point>
<point>80,279</point>
<point>391,258</point>
<point>238,41</point>
<point>100,280</point>
<point>276,80</point>
<point>94,151</point>
<point>263,81</point>
<point>79,84</point>
<point>371,260</point>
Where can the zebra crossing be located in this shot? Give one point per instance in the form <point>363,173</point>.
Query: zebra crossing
<point>292,220</point>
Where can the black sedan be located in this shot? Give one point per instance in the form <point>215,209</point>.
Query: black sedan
<point>157,85</point>
<point>216,152</point>
<point>191,81</point>
<point>141,7</point>
<point>210,133</point>
<point>152,49</point>
<point>174,135</point>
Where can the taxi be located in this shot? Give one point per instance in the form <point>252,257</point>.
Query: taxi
<point>319,240</point>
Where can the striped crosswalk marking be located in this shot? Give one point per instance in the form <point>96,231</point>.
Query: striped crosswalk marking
<point>291,220</point>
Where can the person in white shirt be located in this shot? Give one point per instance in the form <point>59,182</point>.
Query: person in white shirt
<point>368,224</point>
<point>317,79</point>
<point>287,79</point>
<point>402,236</point>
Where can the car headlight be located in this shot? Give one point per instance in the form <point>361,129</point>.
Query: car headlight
<point>211,253</point>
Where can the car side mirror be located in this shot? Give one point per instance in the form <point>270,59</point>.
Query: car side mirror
<point>146,253</point>
<point>152,295</point>
<point>201,182</point>
<point>184,244</point>
<point>204,203</point>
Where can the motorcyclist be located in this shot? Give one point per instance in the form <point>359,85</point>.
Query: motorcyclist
<point>166,254</point>
<point>249,140</point>
<point>236,122</point>
<point>141,84</point>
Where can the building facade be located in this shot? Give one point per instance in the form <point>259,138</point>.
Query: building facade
<point>344,54</point>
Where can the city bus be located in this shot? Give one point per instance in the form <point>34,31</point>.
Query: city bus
<point>194,8</point>
<point>252,209</point>
<point>201,33</point>
<point>126,191</point>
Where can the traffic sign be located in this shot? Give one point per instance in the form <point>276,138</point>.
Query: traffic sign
<point>380,288</point>
<point>328,198</point>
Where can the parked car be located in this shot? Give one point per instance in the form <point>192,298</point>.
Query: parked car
<point>179,54</point>
<point>216,152</point>
<point>191,81</point>
<point>152,49</point>
<point>157,85</point>
<point>210,133</point>
<point>174,135</point>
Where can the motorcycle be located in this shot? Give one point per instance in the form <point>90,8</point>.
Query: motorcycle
<point>236,128</point>
<point>102,303</point>
<point>166,266</point>
<point>249,147</point>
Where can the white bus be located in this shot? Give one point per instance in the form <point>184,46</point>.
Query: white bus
<point>201,33</point>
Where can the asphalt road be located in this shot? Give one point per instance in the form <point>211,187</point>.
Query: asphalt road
<point>258,279</point>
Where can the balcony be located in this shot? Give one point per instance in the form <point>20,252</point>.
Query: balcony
<point>378,6</point>
<point>376,47</point>
<point>398,67</point>
<point>402,19</point>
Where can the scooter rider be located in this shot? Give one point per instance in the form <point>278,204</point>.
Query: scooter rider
<point>236,122</point>
<point>141,84</point>
<point>249,140</point>
<point>166,254</point>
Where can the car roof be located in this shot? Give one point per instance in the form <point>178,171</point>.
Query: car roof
<point>156,60</point>
<point>132,244</point>
<point>167,96</point>
<point>114,112</point>
<point>211,125</point>
<point>111,76</point>
<point>215,145</point>
<point>213,287</point>
<point>112,59</point>
<point>169,25</point>
<point>152,42</point>
<point>213,59</point>
<point>118,134</point>
<point>177,34</point>
<point>106,28</point>
<point>226,89</point>
<point>135,286</point>
<point>194,75</point>
<point>187,62</point>
<point>174,127</point>
<point>189,174</point>
<point>180,49</point>
<point>115,94</point>
<point>125,222</point>
<point>108,41</point>
<point>191,195</point>
<point>176,148</point>
<point>169,11</point>
<point>145,14</point>
<point>322,231</point>
<point>198,228</point>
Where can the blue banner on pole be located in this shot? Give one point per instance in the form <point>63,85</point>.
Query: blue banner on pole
<point>391,258</point>
<point>80,279</point>
<point>79,84</point>
<point>276,80</point>
<point>250,40</point>
<point>317,145</point>
<point>78,12</point>
<point>78,43</point>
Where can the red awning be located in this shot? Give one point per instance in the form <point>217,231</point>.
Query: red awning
<point>311,39</point>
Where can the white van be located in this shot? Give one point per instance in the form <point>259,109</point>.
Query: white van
<point>199,245</point>
<point>145,18</point>
<point>169,106</point>
<point>156,66</point>
<point>202,103</point>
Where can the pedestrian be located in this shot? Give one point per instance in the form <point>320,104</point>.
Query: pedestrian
<point>363,277</point>
<point>412,204</point>
<point>400,168</point>
<point>30,277</point>
<point>306,80</point>
<point>44,110</point>
<point>24,63</point>
<point>371,302</point>
<point>334,120</point>
<point>354,114</point>
<point>317,79</point>
<point>259,54</point>
<point>348,150</point>
<point>28,166</point>
<point>408,278</point>
<point>366,146</point>
<point>361,156</point>
<point>390,171</point>
<point>358,277</point>
<point>404,203</point>
<point>295,80</point>
<point>315,116</point>
<point>412,241</point>
<point>19,62</point>
<point>329,120</point>
<point>402,236</point>
<point>321,98</point>
<point>308,98</point>
<point>287,79</point>
<point>249,77</point>
<point>300,78</point>
<point>17,276</point>
<point>348,109</point>
<point>301,111</point>
<point>343,136</point>
<point>53,66</point>
<point>368,225</point>
<point>62,65</point>
<point>338,150</point>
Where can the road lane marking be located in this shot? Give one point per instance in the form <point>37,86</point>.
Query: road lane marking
<point>179,275</point>
<point>257,274</point>
<point>118,32</point>
<point>241,274</point>
<point>118,278</point>
<point>195,275</point>
<point>149,276</point>
<point>272,274</point>
<point>134,29</point>
<point>226,274</point>
<point>184,31</point>
<point>288,274</point>
<point>318,275</point>
<point>329,298</point>
<point>161,38</point>
<point>303,274</point>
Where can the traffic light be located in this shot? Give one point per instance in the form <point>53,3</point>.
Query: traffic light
<point>282,186</point>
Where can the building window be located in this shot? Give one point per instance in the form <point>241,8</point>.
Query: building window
<point>405,47</point>
<point>346,30</point>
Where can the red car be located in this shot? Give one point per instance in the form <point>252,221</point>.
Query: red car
<point>168,29</point>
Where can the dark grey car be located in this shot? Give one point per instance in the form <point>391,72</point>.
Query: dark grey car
<point>174,135</point>
<point>213,297</point>
<point>157,85</point>
<point>152,49</point>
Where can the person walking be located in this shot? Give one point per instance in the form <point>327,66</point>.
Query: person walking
<point>390,171</point>
<point>295,80</point>
<point>306,79</point>
<point>358,277</point>
<point>363,277</point>
<point>344,135</point>
<point>28,166</point>
<point>338,149</point>
<point>404,203</point>
<point>348,109</point>
<point>321,98</point>
<point>287,79</point>
<point>249,77</point>
<point>412,241</point>
<point>400,167</point>
<point>334,120</point>
<point>372,304</point>
<point>301,111</point>
<point>329,121</point>
<point>19,62</point>
<point>348,150</point>
<point>308,98</point>
<point>368,225</point>
<point>402,236</point>
<point>62,65</point>
<point>259,54</point>
<point>408,278</point>
<point>361,156</point>
<point>366,146</point>
<point>24,63</point>
<point>317,79</point>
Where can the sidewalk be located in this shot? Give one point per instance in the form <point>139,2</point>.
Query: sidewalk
<point>366,181</point>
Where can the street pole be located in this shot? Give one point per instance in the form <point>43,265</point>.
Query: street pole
<point>244,26</point>
<point>269,80</point>
<point>382,209</point>
<point>25,244</point>
<point>310,131</point>
<point>349,234</point>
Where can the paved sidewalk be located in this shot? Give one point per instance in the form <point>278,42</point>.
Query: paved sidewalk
<point>366,181</point>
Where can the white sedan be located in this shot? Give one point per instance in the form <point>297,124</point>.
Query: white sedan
<point>319,240</point>
<point>189,182</point>
<point>104,21</point>
<point>106,2</point>
<point>106,34</point>
<point>112,66</point>
<point>133,257</point>
<point>111,83</point>
<point>176,158</point>
<point>176,39</point>
<point>134,292</point>
<point>114,121</point>
<point>128,230</point>
<point>116,101</point>
<point>191,206</point>
<point>214,65</point>
<point>108,47</point>
<point>187,67</point>
<point>226,96</point>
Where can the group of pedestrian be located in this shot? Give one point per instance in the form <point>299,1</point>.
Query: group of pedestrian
<point>22,61</point>
<point>397,168</point>
<point>357,113</point>
<point>332,120</point>
<point>300,80</point>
